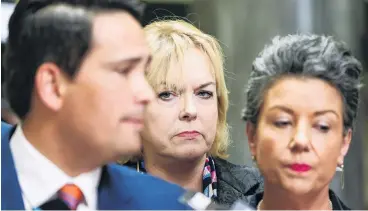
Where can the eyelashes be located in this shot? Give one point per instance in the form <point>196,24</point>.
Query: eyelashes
<point>205,94</point>
<point>166,95</point>
<point>324,128</point>
<point>169,95</point>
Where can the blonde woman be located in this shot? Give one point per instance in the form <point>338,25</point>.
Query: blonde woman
<point>186,136</point>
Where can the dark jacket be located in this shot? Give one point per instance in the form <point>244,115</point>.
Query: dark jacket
<point>337,204</point>
<point>236,181</point>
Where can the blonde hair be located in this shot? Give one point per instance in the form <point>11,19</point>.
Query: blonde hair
<point>168,41</point>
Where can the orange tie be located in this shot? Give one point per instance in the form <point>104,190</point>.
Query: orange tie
<point>71,195</point>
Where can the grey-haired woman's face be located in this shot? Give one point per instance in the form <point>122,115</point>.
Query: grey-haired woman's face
<point>299,139</point>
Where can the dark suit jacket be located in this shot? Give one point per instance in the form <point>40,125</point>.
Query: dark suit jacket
<point>234,181</point>
<point>120,188</point>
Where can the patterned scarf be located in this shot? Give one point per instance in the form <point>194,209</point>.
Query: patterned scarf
<point>209,177</point>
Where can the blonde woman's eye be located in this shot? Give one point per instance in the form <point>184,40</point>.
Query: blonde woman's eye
<point>205,94</point>
<point>166,95</point>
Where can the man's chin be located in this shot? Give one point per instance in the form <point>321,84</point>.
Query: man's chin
<point>130,149</point>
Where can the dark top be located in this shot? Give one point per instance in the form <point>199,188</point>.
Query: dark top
<point>234,181</point>
<point>337,204</point>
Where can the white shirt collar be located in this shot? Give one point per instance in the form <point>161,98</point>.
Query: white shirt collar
<point>40,179</point>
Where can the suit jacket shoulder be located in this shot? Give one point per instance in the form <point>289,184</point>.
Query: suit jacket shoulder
<point>5,129</point>
<point>119,188</point>
<point>136,191</point>
<point>236,181</point>
<point>11,199</point>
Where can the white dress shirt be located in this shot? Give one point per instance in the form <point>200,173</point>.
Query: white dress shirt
<point>40,179</point>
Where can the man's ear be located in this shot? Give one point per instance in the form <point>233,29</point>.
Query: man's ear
<point>345,146</point>
<point>50,85</point>
<point>251,134</point>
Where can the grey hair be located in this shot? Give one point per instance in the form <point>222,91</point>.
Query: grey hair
<point>311,56</point>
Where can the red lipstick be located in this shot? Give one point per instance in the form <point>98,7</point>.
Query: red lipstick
<point>300,167</point>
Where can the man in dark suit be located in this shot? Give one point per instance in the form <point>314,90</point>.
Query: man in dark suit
<point>76,78</point>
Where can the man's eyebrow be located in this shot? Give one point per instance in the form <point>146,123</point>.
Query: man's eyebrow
<point>123,62</point>
<point>128,61</point>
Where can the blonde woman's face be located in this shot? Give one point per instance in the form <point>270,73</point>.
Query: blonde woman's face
<point>181,122</point>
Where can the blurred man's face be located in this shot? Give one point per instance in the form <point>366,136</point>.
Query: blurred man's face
<point>104,104</point>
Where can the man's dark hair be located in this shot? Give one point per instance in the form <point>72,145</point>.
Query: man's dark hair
<point>57,31</point>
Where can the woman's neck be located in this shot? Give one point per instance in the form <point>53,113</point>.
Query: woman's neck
<point>187,174</point>
<point>276,198</point>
